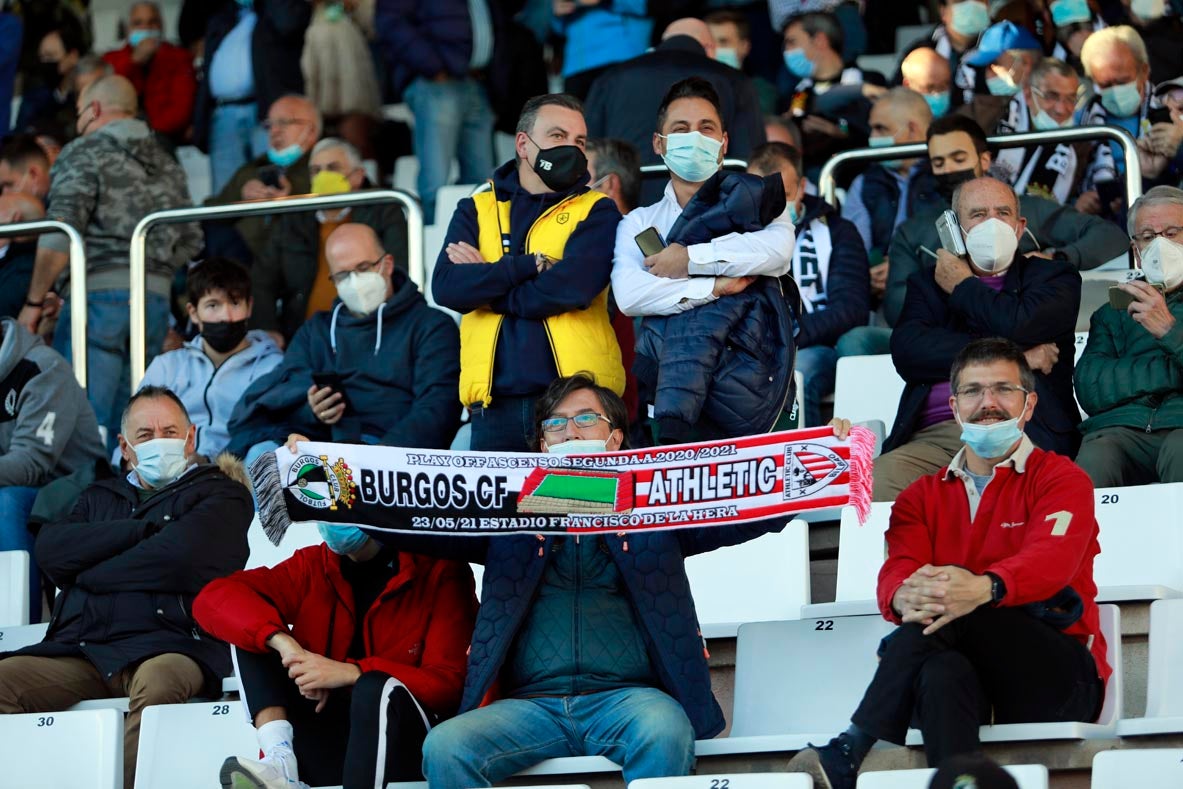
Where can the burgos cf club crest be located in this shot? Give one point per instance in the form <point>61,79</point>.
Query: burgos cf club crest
<point>319,485</point>
<point>811,467</point>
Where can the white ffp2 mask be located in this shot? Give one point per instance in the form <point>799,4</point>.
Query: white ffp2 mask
<point>991,245</point>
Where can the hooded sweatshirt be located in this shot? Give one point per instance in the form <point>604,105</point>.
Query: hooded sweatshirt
<point>47,427</point>
<point>210,394</point>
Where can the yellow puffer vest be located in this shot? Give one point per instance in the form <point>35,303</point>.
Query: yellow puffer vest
<point>581,340</point>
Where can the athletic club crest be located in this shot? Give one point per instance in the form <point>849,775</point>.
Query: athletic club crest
<point>319,485</point>
<point>809,468</point>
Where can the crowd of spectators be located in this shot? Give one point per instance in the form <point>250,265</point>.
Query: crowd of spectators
<point>689,300</point>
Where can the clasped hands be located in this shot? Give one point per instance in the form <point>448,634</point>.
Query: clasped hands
<point>315,675</point>
<point>935,596</point>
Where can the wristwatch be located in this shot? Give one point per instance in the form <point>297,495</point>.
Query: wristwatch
<point>997,590</point>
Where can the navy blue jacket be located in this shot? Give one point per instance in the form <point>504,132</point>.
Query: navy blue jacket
<point>881,196</point>
<point>524,363</point>
<point>422,38</point>
<point>1037,304</point>
<point>848,289</point>
<point>654,573</point>
<point>400,384</point>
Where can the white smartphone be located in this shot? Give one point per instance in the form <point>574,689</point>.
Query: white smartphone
<point>949,229</point>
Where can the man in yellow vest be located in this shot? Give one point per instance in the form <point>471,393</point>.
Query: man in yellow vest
<point>527,264</point>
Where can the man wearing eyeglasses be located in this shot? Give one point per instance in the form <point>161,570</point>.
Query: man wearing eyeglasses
<point>993,290</point>
<point>380,367</point>
<point>989,573</point>
<point>1130,377</point>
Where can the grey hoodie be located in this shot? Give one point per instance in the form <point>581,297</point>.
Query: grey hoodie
<point>47,427</point>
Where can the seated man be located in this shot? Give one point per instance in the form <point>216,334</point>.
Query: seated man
<point>49,431</point>
<point>997,70</point>
<point>1130,377</point>
<point>212,371</point>
<point>998,627</point>
<point>958,151</point>
<point>713,263</point>
<point>381,367</point>
<point>129,560</point>
<point>927,73</point>
<point>17,255</point>
<point>293,126</point>
<point>291,280</point>
<point>830,270</point>
<point>993,291</point>
<point>24,167</point>
<point>376,650</point>
<point>573,630</point>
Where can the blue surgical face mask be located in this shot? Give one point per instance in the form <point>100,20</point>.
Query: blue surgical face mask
<point>938,103</point>
<point>159,461</point>
<point>1041,121</point>
<point>884,142</point>
<point>692,156</point>
<point>246,3</point>
<point>285,157</point>
<point>137,37</point>
<point>342,539</point>
<point>578,446</point>
<point>1122,100</point>
<point>970,18</point>
<point>794,214</point>
<point>991,441</point>
<point>728,56</point>
<point>1001,86</point>
<point>797,64</point>
<point>1068,12</point>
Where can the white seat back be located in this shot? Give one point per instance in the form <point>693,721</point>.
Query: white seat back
<point>20,636</point>
<point>182,746</point>
<point>1151,768</point>
<point>14,588</point>
<point>1141,544</point>
<point>730,781</point>
<point>756,581</point>
<point>1164,685</point>
<point>805,677</point>
<point>446,200</point>
<point>264,554</point>
<point>867,387</point>
<point>1027,776</point>
<point>861,551</point>
<point>62,750</point>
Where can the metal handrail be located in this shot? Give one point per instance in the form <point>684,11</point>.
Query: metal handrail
<point>1133,171</point>
<point>280,205</point>
<point>77,284</point>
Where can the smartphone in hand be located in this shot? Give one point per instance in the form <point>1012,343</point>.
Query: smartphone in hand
<point>334,382</point>
<point>949,229</point>
<point>650,241</point>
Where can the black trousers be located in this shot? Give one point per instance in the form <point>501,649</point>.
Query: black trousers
<point>994,665</point>
<point>373,726</point>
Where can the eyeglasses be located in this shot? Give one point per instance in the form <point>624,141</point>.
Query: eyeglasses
<point>360,268</point>
<point>973,393</point>
<point>1057,98</point>
<point>556,423</point>
<point>315,169</point>
<point>282,123</point>
<point>1169,233</point>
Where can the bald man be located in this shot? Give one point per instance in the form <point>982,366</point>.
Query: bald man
<point>624,101</point>
<point>17,254</point>
<point>379,367</point>
<point>929,74</point>
<point>103,184</point>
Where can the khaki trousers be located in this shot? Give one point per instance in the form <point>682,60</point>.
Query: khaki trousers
<point>51,684</point>
<point>929,449</point>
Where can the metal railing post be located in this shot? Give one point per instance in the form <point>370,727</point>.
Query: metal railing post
<point>1133,172</point>
<point>77,284</point>
<point>282,205</point>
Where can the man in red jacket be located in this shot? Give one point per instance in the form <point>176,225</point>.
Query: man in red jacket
<point>375,657</point>
<point>989,572</point>
<point>162,73</point>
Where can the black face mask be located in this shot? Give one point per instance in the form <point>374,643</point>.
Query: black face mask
<point>561,167</point>
<point>50,74</point>
<point>224,336</point>
<point>947,182</point>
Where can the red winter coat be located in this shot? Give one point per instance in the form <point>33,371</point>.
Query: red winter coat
<point>417,631</point>
<point>1035,530</point>
<point>167,86</point>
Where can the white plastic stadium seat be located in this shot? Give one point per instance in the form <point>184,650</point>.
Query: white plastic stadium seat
<point>1164,684</point>
<point>1152,768</point>
<point>731,781</point>
<point>1141,545</point>
<point>1027,776</point>
<point>62,750</point>
<point>867,387</point>
<point>861,550</point>
<point>760,580</point>
<point>1106,725</point>
<point>182,746</point>
<point>21,636</point>
<point>14,588</point>
<point>264,554</point>
<point>446,200</point>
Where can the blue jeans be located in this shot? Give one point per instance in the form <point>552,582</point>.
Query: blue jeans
<point>453,120</point>
<point>108,356</point>
<point>15,505</point>
<point>642,729</point>
<point>817,365</point>
<point>504,426</point>
<point>864,341</point>
<point>235,138</point>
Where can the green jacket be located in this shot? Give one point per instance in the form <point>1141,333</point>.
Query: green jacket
<point>256,230</point>
<point>1127,378</point>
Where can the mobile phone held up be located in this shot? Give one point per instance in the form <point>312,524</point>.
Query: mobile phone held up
<point>949,229</point>
<point>334,382</point>
<point>269,175</point>
<point>1121,300</point>
<point>650,241</point>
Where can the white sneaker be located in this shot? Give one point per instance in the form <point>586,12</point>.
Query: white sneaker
<point>267,773</point>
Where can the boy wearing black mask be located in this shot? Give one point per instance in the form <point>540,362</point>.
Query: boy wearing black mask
<point>211,371</point>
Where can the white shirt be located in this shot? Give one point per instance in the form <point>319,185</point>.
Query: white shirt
<point>637,292</point>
